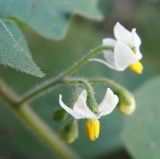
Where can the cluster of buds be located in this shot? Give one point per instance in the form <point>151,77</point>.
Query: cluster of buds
<point>125,53</point>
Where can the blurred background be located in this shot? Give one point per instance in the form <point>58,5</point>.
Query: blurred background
<point>118,131</point>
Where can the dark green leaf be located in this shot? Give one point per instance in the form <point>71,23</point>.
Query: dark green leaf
<point>13,49</point>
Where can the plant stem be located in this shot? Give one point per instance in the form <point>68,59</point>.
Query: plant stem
<point>86,83</point>
<point>121,91</point>
<point>85,59</point>
<point>91,101</point>
<point>35,124</point>
<point>110,83</point>
<point>49,84</point>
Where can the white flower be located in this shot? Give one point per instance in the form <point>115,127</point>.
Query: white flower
<point>126,50</point>
<point>81,110</point>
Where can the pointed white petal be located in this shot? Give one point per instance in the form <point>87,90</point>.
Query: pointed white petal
<point>108,103</point>
<point>81,108</point>
<point>68,109</point>
<point>109,58</point>
<point>124,56</point>
<point>122,34</point>
<point>135,38</point>
<point>108,63</point>
<point>108,54</point>
<point>109,41</point>
<point>138,54</point>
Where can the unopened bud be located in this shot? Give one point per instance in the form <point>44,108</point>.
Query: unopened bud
<point>59,115</point>
<point>126,103</point>
<point>69,133</point>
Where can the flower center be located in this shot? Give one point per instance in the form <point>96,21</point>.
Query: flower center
<point>92,128</point>
<point>137,67</point>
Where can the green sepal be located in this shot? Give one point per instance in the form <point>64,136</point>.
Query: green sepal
<point>69,132</point>
<point>59,115</point>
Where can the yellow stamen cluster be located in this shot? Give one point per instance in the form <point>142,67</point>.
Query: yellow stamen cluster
<point>92,128</point>
<point>137,67</point>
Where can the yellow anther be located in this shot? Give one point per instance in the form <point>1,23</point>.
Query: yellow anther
<point>93,128</point>
<point>137,67</point>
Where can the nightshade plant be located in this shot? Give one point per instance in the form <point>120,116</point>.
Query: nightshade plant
<point>119,54</point>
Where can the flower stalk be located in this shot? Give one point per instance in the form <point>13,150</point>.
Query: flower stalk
<point>51,83</point>
<point>126,103</point>
<point>91,101</point>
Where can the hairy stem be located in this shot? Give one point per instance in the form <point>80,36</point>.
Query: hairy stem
<point>110,83</point>
<point>91,101</point>
<point>49,84</point>
<point>37,126</point>
<point>124,95</point>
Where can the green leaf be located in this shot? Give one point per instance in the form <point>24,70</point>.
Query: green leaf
<point>14,51</point>
<point>141,135</point>
<point>50,18</point>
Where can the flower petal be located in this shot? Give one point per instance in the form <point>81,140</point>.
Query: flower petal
<point>68,109</point>
<point>122,34</point>
<point>108,54</point>
<point>108,41</point>
<point>108,63</point>
<point>81,108</point>
<point>124,56</point>
<point>108,103</point>
<point>135,38</point>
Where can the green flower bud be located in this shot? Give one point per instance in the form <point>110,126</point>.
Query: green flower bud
<point>126,103</point>
<point>59,115</point>
<point>69,133</point>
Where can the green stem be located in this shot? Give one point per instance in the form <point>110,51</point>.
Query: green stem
<point>35,124</point>
<point>110,83</point>
<point>91,101</point>
<point>85,59</point>
<point>49,84</point>
<point>124,95</point>
<point>121,91</point>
